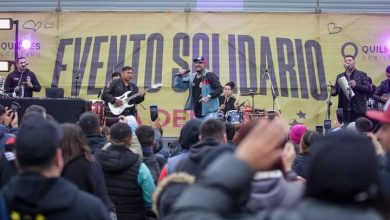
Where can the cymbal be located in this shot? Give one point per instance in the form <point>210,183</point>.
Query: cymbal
<point>250,94</point>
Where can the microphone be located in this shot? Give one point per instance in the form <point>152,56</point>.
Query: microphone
<point>346,66</point>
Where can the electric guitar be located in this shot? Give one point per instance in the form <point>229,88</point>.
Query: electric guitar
<point>117,110</point>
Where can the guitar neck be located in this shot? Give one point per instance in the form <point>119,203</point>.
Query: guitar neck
<point>135,95</point>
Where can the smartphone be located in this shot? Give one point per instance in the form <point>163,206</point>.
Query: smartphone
<point>271,114</point>
<point>327,124</point>
<point>320,129</point>
<point>15,106</point>
<point>153,112</point>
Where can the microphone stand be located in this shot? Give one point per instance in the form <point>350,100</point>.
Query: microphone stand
<point>252,94</point>
<point>77,80</point>
<point>274,99</point>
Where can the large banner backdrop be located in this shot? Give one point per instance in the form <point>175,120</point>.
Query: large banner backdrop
<point>303,53</point>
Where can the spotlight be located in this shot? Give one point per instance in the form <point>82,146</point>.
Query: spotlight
<point>26,44</point>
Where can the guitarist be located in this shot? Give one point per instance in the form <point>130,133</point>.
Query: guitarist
<point>382,92</point>
<point>120,86</point>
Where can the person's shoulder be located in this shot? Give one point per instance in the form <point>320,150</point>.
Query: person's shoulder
<point>95,208</point>
<point>116,81</point>
<point>359,72</point>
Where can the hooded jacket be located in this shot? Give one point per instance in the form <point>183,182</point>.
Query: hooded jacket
<point>31,194</point>
<point>197,152</point>
<point>211,87</point>
<point>270,190</point>
<point>121,167</point>
<point>96,142</point>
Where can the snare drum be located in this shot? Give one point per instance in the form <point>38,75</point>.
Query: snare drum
<point>372,104</point>
<point>97,107</point>
<point>234,117</point>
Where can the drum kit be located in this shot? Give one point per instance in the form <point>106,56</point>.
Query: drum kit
<point>97,106</point>
<point>371,104</point>
<point>244,115</point>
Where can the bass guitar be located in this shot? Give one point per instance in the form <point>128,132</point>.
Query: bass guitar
<point>117,110</point>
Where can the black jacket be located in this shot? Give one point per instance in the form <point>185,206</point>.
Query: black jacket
<point>121,168</point>
<point>362,88</point>
<point>118,88</point>
<point>382,89</point>
<point>89,177</point>
<point>13,80</point>
<point>31,194</point>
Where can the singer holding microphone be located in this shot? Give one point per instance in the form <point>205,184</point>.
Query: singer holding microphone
<point>358,84</point>
<point>226,100</point>
<point>21,82</point>
<point>204,89</point>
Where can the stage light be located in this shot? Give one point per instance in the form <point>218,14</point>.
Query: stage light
<point>26,44</point>
<point>6,23</point>
<point>5,66</point>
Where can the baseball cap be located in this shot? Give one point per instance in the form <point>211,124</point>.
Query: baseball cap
<point>37,141</point>
<point>199,59</point>
<point>379,116</point>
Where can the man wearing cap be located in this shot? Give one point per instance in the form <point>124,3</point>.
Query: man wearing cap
<point>359,83</point>
<point>22,82</point>
<point>382,92</point>
<point>204,89</point>
<point>39,192</point>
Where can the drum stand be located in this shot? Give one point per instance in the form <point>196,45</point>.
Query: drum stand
<point>274,99</point>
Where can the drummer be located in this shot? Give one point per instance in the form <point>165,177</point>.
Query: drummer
<point>226,100</point>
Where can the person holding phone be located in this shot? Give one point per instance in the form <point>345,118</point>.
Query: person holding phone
<point>22,82</point>
<point>204,89</point>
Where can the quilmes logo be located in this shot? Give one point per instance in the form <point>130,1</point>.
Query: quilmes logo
<point>374,52</point>
<point>20,45</point>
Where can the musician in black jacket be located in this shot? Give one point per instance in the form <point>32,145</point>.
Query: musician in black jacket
<point>359,83</point>
<point>118,87</point>
<point>382,92</point>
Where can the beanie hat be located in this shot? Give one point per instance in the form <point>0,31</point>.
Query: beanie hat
<point>343,168</point>
<point>296,133</point>
<point>388,69</point>
<point>189,134</point>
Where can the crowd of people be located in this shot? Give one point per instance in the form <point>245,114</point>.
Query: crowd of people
<point>216,169</point>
